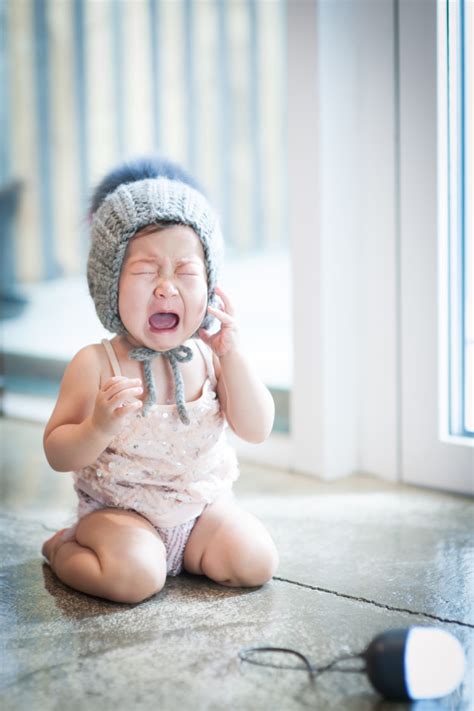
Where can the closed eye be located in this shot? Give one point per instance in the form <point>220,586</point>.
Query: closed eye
<point>179,273</point>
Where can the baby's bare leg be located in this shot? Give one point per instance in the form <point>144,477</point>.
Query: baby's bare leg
<point>231,546</point>
<point>116,554</point>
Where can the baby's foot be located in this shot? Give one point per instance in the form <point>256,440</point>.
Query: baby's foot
<point>52,544</point>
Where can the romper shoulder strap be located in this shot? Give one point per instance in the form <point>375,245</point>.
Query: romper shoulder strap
<point>207,355</point>
<point>109,349</point>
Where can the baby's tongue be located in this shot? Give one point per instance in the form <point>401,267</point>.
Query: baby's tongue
<point>162,321</point>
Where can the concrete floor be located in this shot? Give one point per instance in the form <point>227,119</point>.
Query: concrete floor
<point>357,557</point>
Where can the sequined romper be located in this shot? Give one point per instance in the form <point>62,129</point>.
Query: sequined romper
<point>159,467</point>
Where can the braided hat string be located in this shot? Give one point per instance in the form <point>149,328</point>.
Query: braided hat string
<point>181,354</point>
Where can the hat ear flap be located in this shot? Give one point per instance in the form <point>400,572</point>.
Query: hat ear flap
<point>208,320</point>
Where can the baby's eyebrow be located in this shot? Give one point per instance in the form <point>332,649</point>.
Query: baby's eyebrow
<point>189,260</point>
<point>142,259</point>
<point>154,260</point>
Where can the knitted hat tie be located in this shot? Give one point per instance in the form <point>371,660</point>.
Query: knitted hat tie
<point>180,354</point>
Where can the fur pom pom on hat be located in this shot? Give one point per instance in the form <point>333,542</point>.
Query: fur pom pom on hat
<point>133,196</point>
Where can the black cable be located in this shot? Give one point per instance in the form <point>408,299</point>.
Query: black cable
<point>246,653</point>
<point>347,670</point>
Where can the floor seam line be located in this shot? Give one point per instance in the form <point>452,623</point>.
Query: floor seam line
<point>373,602</point>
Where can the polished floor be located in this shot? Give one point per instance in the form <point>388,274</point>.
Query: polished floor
<point>358,556</point>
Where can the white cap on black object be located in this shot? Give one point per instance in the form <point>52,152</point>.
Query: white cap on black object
<point>415,663</point>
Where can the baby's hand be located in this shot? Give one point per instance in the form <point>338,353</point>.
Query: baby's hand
<point>226,339</point>
<point>117,397</point>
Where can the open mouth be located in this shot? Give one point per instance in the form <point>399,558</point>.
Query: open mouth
<point>163,321</point>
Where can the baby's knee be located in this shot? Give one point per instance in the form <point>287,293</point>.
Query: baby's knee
<point>259,569</point>
<point>252,565</point>
<point>131,555</point>
<point>132,589</point>
<point>134,578</point>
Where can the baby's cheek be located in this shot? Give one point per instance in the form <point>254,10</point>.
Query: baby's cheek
<point>197,292</point>
<point>130,301</point>
<point>203,302</point>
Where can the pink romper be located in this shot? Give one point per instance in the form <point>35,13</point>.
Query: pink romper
<point>163,469</point>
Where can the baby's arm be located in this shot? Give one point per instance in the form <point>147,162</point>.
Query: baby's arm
<point>246,402</point>
<point>87,414</point>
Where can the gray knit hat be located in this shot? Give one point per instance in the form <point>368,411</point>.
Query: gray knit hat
<point>122,213</point>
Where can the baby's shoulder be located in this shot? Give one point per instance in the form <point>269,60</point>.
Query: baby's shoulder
<point>79,386</point>
<point>92,354</point>
<point>90,361</point>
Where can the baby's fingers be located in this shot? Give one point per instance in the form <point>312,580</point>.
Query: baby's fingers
<point>226,300</point>
<point>124,408</point>
<point>118,382</point>
<point>221,315</point>
<point>124,395</point>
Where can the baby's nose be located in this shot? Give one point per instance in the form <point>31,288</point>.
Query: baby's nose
<point>165,288</point>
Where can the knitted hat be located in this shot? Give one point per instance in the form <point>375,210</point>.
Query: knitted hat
<point>133,196</point>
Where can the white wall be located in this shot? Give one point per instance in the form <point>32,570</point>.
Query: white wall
<point>378,320</point>
<point>362,209</point>
<point>342,223</point>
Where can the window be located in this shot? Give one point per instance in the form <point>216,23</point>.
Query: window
<point>456,143</point>
<point>210,94</point>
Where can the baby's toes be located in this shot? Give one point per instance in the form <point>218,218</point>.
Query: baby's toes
<point>50,546</point>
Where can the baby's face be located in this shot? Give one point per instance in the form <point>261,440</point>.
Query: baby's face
<point>163,287</point>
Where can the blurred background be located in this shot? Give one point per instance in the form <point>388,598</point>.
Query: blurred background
<point>86,84</point>
<point>333,138</point>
